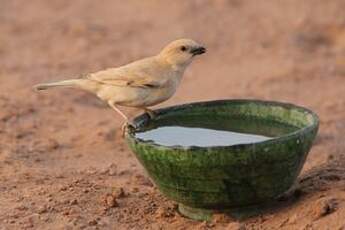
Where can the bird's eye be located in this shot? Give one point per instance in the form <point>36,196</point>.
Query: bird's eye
<point>183,48</point>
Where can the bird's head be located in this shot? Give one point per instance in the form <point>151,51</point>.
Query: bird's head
<point>180,53</point>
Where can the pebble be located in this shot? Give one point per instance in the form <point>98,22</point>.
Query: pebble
<point>119,193</point>
<point>236,226</point>
<point>73,202</point>
<point>324,207</point>
<point>42,209</point>
<point>221,218</point>
<point>110,201</point>
<point>135,190</point>
<point>92,222</point>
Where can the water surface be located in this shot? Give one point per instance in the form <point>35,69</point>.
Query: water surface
<point>219,132</point>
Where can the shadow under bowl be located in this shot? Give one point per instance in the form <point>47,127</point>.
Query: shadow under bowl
<point>204,180</point>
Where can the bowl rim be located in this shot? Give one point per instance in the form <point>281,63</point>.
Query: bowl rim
<point>130,131</point>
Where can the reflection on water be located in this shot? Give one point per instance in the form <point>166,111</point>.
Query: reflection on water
<point>220,132</point>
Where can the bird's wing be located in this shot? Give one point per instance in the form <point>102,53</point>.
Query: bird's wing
<point>124,78</point>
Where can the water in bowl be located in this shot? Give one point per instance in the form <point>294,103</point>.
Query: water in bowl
<point>212,132</point>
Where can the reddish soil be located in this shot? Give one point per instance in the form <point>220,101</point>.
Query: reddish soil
<point>63,163</point>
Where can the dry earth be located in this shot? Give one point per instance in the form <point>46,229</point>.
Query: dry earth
<point>63,163</point>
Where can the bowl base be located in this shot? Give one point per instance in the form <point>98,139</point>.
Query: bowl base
<point>207,214</point>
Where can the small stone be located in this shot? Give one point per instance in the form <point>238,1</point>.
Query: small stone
<point>103,171</point>
<point>119,193</point>
<point>110,201</point>
<point>324,207</point>
<point>68,227</point>
<point>92,222</point>
<point>203,225</point>
<point>221,218</point>
<point>59,176</point>
<point>160,212</point>
<point>67,201</point>
<point>28,225</point>
<point>142,180</point>
<point>342,227</point>
<point>91,171</point>
<point>75,222</point>
<point>21,208</point>
<point>30,220</point>
<point>52,144</point>
<point>42,209</point>
<point>76,181</point>
<point>164,212</point>
<point>63,188</point>
<point>135,190</point>
<point>308,226</point>
<point>123,172</point>
<point>73,202</point>
<point>15,215</point>
<point>236,226</point>
<point>44,218</point>
<point>66,213</point>
<point>292,219</point>
<point>112,172</point>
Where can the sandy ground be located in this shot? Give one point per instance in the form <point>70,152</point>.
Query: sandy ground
<point>63,164</point>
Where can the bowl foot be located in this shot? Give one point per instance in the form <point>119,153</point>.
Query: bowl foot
<point>195,213</point>
<point>236,213</point>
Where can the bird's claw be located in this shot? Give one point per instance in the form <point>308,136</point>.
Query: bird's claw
<point>151,114</point>
<point>125,126</point>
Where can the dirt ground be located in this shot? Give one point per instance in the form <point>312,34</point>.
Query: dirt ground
<point>63,163</point>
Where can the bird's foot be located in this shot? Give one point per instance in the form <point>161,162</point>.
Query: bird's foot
<point>151,113</point>
<point>125,126</point>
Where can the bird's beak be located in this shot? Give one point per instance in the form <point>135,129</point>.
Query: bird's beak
<point>198,50</point>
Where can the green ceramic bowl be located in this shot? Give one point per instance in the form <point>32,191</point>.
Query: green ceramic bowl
<point>203,180</point>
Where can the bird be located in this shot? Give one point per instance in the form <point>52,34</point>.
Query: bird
<point>140,84</point>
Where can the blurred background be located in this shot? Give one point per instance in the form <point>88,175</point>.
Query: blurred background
<point>292,51</point>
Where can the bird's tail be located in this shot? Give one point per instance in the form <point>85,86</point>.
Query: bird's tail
<point>64,83</point>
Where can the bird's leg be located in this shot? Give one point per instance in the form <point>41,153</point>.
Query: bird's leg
<point>150,112</point>
<point>123,127</point>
